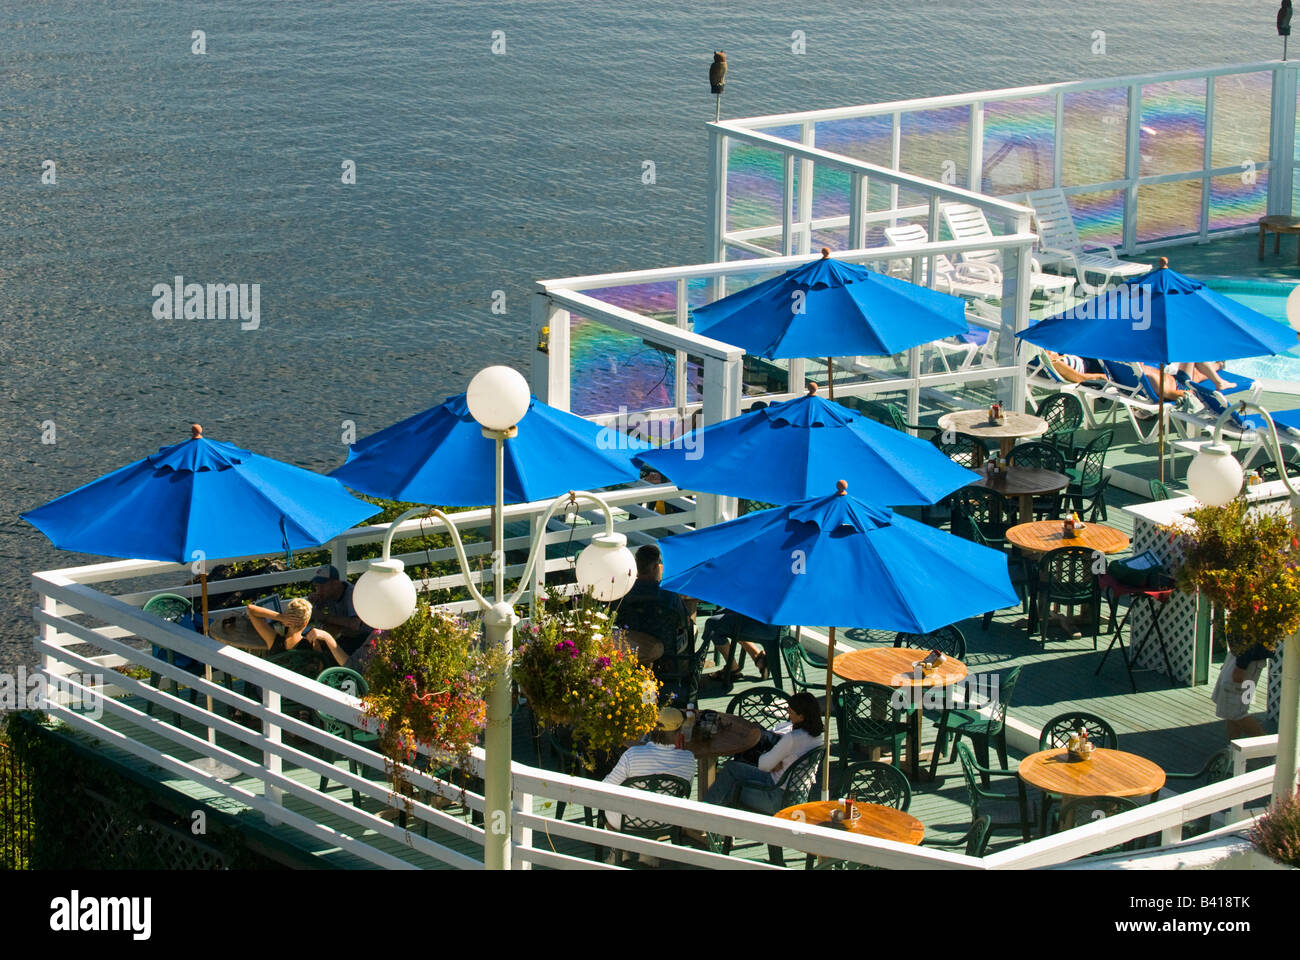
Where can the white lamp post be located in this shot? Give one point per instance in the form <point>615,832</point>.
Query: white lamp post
<point>1215,479</point>
<point>385,597</point>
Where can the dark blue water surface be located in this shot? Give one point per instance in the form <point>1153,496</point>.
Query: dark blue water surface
<point>475,173</point>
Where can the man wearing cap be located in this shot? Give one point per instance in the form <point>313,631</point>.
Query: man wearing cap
<point>659,756</point>
<point>333,595</point>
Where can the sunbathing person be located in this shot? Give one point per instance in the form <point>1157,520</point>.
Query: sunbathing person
<point>1072,368</point>
<point>1169,389</point>
<point>1198,372</point>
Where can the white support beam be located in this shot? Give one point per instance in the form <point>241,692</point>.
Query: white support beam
<point>549,374</point>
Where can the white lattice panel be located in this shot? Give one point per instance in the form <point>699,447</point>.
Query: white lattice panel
<point>1178,618</point>
<point>1275,683</point>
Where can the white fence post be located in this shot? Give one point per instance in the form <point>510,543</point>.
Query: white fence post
<point>272,761</point>
<point>549,373</point>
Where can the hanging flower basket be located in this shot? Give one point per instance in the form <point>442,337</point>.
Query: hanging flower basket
<point>426,685</point>
<point>1248,562</point>
<point>578,671</point>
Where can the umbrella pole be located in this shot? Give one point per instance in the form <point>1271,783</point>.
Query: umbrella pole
<point>830,379</point>
<point>826,732</point>
<point>207,667</point>
<point>1160,395</point>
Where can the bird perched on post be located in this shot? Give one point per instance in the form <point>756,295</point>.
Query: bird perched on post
<point>1284,24</point>
<point>718,79</point>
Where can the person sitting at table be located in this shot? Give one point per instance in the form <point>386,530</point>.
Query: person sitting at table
<point>728,626</point>
<point>658,756</point>
<point>331,597</point>
<point>649,608</point>
<point>285,630</point>
<point>805,735</point>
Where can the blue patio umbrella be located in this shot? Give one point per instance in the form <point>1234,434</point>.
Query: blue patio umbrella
<point>440,456</point>
<point>797,449</point>
<point>827,309</point>
<point>837,560</point>
<point>198,500</point>
<point>1159,318</point>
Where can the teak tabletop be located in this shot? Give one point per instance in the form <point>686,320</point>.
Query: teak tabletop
<point>975,423</point>
<point>1107,773</point>
<point>648,648</point>
<point>1045,535</point>
<point>894,667</point>
<point>876,820</point>
<point>1023,484</point>
<point>735,735</point>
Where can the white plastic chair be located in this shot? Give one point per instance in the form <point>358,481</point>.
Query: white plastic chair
<point>1059,244</point>
<point>967,222</point>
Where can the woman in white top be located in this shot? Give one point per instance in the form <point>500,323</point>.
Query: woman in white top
<point>805,735</point>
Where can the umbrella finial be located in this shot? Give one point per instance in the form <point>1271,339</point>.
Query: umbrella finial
<point>196,431</point>
<point>811,388</point>
<point>841,487</point>
<point>826,252</point>
<point>1164,263</point>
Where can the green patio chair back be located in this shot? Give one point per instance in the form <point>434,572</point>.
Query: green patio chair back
<point>1066,576</point>
<point>1081,811</point>
<point>765,706</point>
<point>1064,415</point>
<point>1037,455</point>
<point>352,683</point>
<point>984,725</point>
<point>982,799</point>
<point>872,782</point>
<point>796,659</point>
<point>1088,480</point>
<point>966,451</point>
<point>1215,769</point>
<point>1057,731</point>
<point>1158,490</point>
<point>665,785</point>
<point>865,716</point>
<point>983,511</point>
<point>1268,471</point>
<point>947,640</point>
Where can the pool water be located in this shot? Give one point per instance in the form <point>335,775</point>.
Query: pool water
<point>1269,298</point>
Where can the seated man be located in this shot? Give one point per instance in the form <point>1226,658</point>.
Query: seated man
<point>659,756</point>
<point>649,608</point>
<point>332,595</point>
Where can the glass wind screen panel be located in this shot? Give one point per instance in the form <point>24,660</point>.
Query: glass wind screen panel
<point>836,239</point>
<point>609,369</point>
<point>1019,140</point>
<point>1099,217</point>
<point>1241,119</point>
<point>1092,144</point>
<point>830,192</point>
<point>1295,191</point>
<point>936,145</point>
<point>1167,210</point>
<point>1238,199</point>
<point>658,300</point>
<point>1172,138</point>
<point>793,132</point>
<point>755,181</point>
<point>863,138</point>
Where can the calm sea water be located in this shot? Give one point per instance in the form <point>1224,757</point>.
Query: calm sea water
<point>475,172</point>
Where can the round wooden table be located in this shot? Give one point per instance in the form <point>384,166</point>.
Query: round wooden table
<point>735,735</point>
<point>648,648</point>
<point>1043,536</point>
<point>1107,773</point>
<point>1024,484</point>
<point>876,820</point>
<point>1277,226</point>
<point>975,423</point>
<point>894,667</point>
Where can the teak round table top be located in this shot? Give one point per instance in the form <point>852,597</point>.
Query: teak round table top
<point>1017,481</point>
<point>876,820</point>
<point>1044,535</point>
<point>1107,773</point>
<point>975,423</point>
<point>735,735</point>
<point>894,667</point>
<point>1281,224</point>
<point>648,648</point>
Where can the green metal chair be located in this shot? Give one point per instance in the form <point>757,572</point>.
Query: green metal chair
<point>1057,732</point>
<point>1087,477</point>
<point>792,652</point>
<point>1268,470</point>
<point>947,640</point>
<point>1065,576</point>
<point>865,716</point>
<point>975,840</point>
<point>797,785</point>
<point>350,682</point>
<point>980,798</point>
<point>961,449</point>
<point>1158,490</point>
<point>1214,770</point>
<point>982,725</point>
<point>765,706</point>
<point>898,421</point>
<point>1041,455</point>
<point>1081,811</point>
<point>1064,415</point>
<point>174,609</point>
<point>982,511</point>
<point>634,826</point>
<point>1019,570</point>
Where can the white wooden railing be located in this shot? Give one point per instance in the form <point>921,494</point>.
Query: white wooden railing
<point>75,614</point>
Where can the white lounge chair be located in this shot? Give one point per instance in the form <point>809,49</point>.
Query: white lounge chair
<point>1059,244</point>
<point>967,222</point>
<point>969,279</point>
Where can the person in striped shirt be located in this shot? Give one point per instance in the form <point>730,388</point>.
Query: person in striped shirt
<point>659,756</point>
